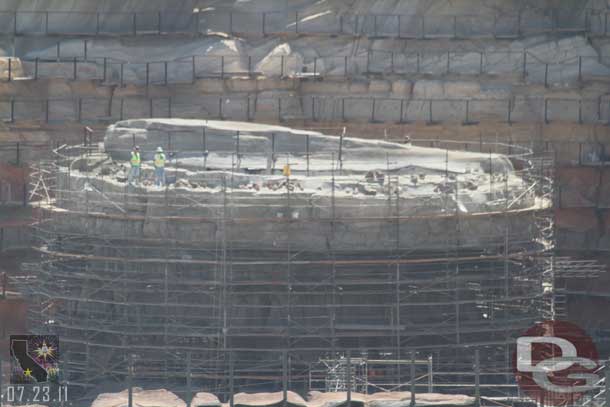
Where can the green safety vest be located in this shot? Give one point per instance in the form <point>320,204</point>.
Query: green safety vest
<point>159,160</point>
<point>135,159</point>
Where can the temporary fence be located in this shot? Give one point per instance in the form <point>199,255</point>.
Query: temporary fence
<point>205,21</point>
<point>522,65</point>
<point>311,108</point>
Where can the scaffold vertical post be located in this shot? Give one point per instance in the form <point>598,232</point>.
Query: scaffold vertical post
<point>477,378</point>
<point>412,378</point>
<point>285,373</point>
<point>231,380</point>
<point>607,382</point>
<point>307,152</point>
<point>348,377</point>
<point>189,380</point>
<point>130,368</point>
<point>430,375</point>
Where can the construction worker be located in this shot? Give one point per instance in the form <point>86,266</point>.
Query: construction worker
<point>136,161</point>
<point>159,163</point>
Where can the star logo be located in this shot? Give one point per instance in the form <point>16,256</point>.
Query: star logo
<point>27,373</point>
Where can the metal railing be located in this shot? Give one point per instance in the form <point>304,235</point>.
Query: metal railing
<point>521,64</point>
<point>205,21</point>
<point>311,108</point>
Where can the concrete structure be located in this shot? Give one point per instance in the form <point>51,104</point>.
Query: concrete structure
<point>368,247</point>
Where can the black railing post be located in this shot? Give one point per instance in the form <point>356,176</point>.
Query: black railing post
<point>423,27</point>
<point>546,111</point>
<point>105,73</point>
<point>399,26</point>
<point>134,23</point>
<point>75,69</point>
<point>10,69</point>
<point>36,68</point>
<point>194,69</point>
<point>546,75</point>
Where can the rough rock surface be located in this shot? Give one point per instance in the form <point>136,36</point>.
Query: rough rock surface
<point>387,399</point>
<point>205,400</point>
<point>141,398</point>
<point>268,399</point>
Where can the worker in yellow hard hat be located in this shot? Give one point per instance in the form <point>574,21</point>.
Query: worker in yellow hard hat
<point>159,163</point>
<point>136,162</point>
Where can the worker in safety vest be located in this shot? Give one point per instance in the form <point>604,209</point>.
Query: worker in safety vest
<point>135,161</point>
<point>159,163</point>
